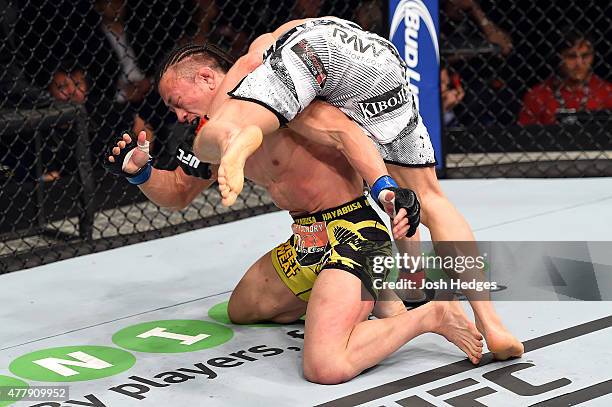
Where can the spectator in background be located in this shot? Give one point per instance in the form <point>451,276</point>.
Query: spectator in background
<point>573,88</point>
<point>131,84</point>
<point>220,26</point>
<point>477,48</point>
<point>451,93</point>
<point>467,28</point>
<point>108,61</point>
<point>69,86</point>
<point>106,75</point>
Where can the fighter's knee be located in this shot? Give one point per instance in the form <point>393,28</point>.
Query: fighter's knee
<point>238,314</point>
<point>326,371</point>
<point>250,61</point>
<point>242,310</point>
<point>286,318</point>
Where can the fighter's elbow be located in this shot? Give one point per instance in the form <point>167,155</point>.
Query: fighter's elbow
<point>180,202</point>
<point>337,140</point>
<point>339,146</point>
<point>183,192</point>
<point>177,207</point>
<point>175,203</point>
<point>173,207</point>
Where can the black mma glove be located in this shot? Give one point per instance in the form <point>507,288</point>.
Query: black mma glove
<point>185,157</point>
<point>404,198</point>
<point>117,167</point>
<point>407,199</point>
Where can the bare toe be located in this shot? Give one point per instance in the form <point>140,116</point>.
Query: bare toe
<point>230,199</point>
<point>458,329</point>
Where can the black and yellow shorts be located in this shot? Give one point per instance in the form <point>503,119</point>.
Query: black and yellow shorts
<point>347,237</point>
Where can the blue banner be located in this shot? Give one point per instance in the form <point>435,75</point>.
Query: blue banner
<point>414,29</point>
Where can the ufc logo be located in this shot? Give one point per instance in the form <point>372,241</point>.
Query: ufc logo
<point>502,377</point>
<point>188,158</point>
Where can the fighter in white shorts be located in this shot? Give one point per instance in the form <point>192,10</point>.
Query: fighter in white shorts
<point>359,72</point>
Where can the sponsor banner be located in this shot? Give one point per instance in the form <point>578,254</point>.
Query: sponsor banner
<point>414,31</point>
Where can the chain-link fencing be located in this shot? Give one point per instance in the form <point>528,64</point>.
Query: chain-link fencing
<point>519,98</point>
<point>75,74</point>
<point>525,88</point>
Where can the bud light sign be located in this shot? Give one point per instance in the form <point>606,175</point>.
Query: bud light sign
<point>414,31</point>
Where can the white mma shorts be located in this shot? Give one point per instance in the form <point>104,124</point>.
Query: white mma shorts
<point>357,71</point>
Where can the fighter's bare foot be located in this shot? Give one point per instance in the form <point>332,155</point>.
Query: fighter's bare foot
<point>455,326</point>
<point>231,169</point>
<point>501,343</point>
<point>227,195</point>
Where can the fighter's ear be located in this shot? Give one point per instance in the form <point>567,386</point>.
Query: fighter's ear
<point>206,76</point>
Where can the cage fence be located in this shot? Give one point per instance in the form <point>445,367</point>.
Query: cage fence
<point>524,88</point>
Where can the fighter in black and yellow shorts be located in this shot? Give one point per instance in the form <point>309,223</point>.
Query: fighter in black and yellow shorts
<point>346,237</point>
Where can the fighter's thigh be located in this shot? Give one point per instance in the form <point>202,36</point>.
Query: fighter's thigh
<point>419,179</point>
<point>240,112</point>
<point>261,295</point>
<point>334,308</point>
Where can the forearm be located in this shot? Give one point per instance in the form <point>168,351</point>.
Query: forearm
<point>479,16</point>
<point>173,189</point>
<point>362,154</point>
<point>327,125</point>
<point>487,26</point>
